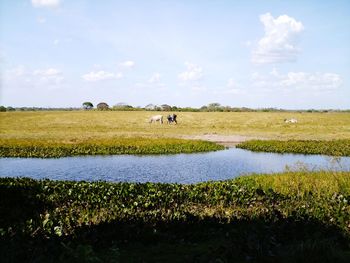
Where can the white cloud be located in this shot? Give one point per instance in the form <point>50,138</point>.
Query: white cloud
<point>232,87</point>
<point>198,88</point>
<point>47,72</point>
<point>279,44</point>
<point>231,83</point>
<point>18,71</point>
<point>101,75</point>
<point>46,3</point>
<point>193,73</point>
<point>293,81</point>
<point>51,75</point>
<point>41,20</point>
<point>127,64</point>
<point>155,78</point>
<point>22,77</point>
<point>247,43</point>
<point>63,41</point>
<point>314,81</point>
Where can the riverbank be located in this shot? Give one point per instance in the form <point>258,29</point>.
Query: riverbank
<point>293,216</point>
<point>224,140</point>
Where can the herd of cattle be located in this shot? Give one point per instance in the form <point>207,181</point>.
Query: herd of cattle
<point>170,119</point>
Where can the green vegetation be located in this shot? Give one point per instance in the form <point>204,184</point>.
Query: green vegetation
<point>47,149</point>
<point>334,147</point>
<point>288,217</point>
<point>87,105</point>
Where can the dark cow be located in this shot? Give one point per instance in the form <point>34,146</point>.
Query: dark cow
<point>172,118</point>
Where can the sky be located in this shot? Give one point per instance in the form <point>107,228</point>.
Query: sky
<point>258,54</point>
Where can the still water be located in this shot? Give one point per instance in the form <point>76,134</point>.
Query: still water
<point>178,168</point>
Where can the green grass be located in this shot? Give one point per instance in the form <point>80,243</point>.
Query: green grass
<point>334,147</point>
<point>286,217</point>
<point>49,149</point>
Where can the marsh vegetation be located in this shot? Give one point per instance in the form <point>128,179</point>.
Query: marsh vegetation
<point>290,216</point>
<point>301,216</point>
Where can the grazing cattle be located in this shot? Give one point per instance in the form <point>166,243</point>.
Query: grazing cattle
<point>291,120</point>
<point>172,118</point>
<point>156,118</point>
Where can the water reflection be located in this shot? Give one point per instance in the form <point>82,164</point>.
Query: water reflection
<point>180,168</point>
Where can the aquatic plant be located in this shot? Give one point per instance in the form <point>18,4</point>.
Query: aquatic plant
<point>333,148</point>
<point>264,217</point>
<point>47,149</point>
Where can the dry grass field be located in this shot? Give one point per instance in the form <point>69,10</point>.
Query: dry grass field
<point>83,126</point>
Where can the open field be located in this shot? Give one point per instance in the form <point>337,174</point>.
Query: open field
<point>57,134</point>
<point>82,126</point>
<point>287,217</point>
<point>78,126</point>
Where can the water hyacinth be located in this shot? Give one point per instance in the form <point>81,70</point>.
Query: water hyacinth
<point>333,148</point>
<point>285,212</point>
<point>105,147</point>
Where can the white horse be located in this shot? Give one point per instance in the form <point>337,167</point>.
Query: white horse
<point>291,120</point>
<point>156,118</point>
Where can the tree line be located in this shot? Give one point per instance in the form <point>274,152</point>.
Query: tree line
<point>211,107</point>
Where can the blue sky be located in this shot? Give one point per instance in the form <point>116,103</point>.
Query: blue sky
<point>284,54</point>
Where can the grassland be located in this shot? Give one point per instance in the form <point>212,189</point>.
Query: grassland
<point>288,217</point>
<point>71,133</point>
<point>82,126</point>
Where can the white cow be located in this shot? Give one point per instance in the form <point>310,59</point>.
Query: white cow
<point>291,120</point>
<point>156,118</point>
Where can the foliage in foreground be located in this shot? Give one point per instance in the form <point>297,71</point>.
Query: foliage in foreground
<point>334,147</point>
<point>290,217</point>
<point>106,147</point>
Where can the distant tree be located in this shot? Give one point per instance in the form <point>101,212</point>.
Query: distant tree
<point>204,108</point>
<point>102,106</point>
<point>122,106</point>
<point>87,105</point>
<point>214,106</point>
<point>2,108</point>
<point>150,107</point>
<point>165,107</point>
<point>9,108</point>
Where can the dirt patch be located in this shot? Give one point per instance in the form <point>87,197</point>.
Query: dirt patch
<point>226,140</point>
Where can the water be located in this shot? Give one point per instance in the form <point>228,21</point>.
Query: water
<point>179,168</point>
